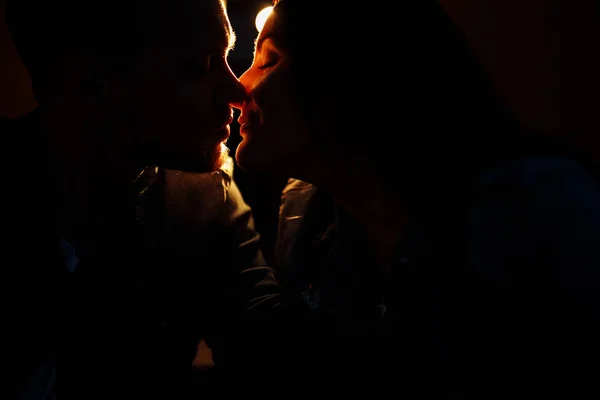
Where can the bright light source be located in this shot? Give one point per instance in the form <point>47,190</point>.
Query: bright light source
<point>261,17</point>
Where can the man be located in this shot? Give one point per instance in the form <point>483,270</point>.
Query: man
<point>132,229</point>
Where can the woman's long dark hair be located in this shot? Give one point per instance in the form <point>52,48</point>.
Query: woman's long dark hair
<point>410,82</point>
<point>434,111</point>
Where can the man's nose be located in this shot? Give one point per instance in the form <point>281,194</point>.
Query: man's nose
<point>232,91</point>
<point>242,81</point>
<point>242,95</point>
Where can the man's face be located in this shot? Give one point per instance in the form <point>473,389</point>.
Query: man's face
<point>186,88</point>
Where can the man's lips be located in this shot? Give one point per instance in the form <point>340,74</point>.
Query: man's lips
<point>227,121</point>
<point>224,129</point>
<point>223,133</point>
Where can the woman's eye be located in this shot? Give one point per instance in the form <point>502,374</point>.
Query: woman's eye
<point>268,64</point>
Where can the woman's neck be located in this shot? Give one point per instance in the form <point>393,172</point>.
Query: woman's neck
<point>381,212</point>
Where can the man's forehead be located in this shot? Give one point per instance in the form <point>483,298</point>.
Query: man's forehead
<point>196,24</point>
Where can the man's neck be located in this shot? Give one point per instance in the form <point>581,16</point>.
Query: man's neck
<point>373,203</point>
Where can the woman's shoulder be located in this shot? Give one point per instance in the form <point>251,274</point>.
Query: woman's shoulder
<point>294,184</point>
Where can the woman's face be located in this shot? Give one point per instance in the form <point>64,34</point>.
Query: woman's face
<point>272,127</point>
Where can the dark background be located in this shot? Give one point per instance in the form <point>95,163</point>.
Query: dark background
<point>542,57</point>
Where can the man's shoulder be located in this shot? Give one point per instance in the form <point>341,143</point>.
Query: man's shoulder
<point>199,196</point>
<point>205,184</point>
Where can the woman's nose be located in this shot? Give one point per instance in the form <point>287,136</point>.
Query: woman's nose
<point>244,78</point>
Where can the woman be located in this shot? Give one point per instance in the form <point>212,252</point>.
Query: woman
<point>421,218</point>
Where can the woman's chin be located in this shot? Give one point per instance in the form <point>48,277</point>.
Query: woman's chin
<point>251,159</point>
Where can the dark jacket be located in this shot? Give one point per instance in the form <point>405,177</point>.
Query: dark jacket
<point>125,320</point>
<point>497,297</point>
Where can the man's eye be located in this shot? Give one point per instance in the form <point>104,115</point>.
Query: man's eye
<point>194,68</point>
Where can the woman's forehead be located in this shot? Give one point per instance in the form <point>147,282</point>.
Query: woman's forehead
<point>271,25</point>
<point>270,31</point>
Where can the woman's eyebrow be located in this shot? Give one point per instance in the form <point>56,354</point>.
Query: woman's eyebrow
<point>259,41</point>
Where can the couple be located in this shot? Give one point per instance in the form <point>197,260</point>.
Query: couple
<point>426,242</point>
<point>451,252</point>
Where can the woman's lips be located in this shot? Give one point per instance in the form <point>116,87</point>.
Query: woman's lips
<point>245,128</point>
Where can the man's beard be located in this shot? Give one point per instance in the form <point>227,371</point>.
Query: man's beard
<point>209,161</point>
<point>222,155</point>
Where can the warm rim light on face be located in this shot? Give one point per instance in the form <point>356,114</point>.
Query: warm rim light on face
<point>261,17</point>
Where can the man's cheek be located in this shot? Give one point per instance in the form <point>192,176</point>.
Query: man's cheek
<point>186,91</point>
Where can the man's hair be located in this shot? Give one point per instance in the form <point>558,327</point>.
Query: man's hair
<point>46,32</point>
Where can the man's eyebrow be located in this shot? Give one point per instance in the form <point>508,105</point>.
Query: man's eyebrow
<point>231,38</point>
